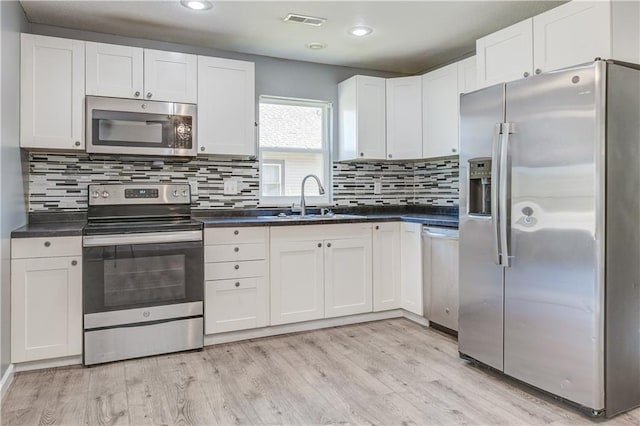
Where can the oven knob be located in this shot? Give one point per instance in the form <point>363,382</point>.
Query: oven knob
<point>95,194</point>
<point>105,194</point>
<point>175,193</point>
<point>185,192</point>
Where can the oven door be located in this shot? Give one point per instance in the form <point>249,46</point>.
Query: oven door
<point>133,278</point>
<point>133,127</point>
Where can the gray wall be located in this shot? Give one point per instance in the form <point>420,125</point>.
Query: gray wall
<point>12,204</point>
<point>276,77</point>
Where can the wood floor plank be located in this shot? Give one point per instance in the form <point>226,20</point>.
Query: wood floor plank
<point>385,372</point>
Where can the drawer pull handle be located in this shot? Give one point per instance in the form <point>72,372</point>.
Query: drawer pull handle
<point>319,244</point>
<point>237,284</point>
<point>328,244</point>
<point>237,249</point>
<point>47,243</point>
<point>74,262</point>
<point>237,267</point>
<point>236,232</point>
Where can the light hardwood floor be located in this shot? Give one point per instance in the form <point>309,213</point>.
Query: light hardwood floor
<point>385,372</point>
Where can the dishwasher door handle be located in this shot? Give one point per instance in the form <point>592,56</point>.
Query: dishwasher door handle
<point>431,234</point>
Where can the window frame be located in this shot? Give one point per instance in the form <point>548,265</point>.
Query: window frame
<point>282,174</point>
<point>326,151</point>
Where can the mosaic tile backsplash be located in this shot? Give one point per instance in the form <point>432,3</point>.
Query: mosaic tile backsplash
<point>58,182</point>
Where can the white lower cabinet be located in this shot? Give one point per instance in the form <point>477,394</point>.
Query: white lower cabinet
<point>386,266</point>
<point>236,293</point>
<point>46,300</point>
<point>237,304</point>
<point>411,268</point>
<point>347,277</point>
<point>320,271</point>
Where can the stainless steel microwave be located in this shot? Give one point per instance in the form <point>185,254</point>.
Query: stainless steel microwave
<point>136,127</point>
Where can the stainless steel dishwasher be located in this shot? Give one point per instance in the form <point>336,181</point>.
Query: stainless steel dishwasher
<point>440,276</point>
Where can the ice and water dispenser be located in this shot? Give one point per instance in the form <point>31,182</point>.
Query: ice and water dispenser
<point>480,186</point>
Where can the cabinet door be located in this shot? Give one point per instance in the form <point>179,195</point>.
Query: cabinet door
<point>571,34</point>
<point>51,93</point>
<point>297,281</point>
<point>113,70</point>
<point>232,305</point>
<point>362,118</point>
<point>505,55</point>
<point>404,118</point>
<point>170,76</point>
<point>411,269</point>
<point>348,286</point>
<point>440,112</point>
<point>46,308</point>
<point>441,281</point>
<point>386,266</point>
<point>467,75</point>
<point>226,107</point>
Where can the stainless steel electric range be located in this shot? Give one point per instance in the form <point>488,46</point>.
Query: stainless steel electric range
<point>143,273</point>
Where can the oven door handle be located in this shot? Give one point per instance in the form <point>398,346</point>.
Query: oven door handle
<point>143,238</point>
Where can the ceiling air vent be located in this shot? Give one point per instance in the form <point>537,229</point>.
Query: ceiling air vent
<point>301,19</point>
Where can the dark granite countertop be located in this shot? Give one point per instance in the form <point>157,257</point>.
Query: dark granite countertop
<point>72,224</point>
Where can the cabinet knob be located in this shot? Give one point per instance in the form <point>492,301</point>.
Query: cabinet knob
<point>319,244</point>
<point>237,249</point>
<point>526,74</point>
<point>47,243</point>
<point>236,267</point>
<point>362,154</point>
<point>236,232</point>
<point>328,244</point>
<point>202,148</point>
<point>149,95</point>
<point>390,156</point>
<point>377,227</point>
<point>74,262</point>
<point>448,311</point>
<point>77,143</point>
<point>454,150</point>
<point>137,93</point>
<point>538,70</point>
<point>238,284</point>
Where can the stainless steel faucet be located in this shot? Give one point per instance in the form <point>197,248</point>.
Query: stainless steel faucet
<point>303,204</point>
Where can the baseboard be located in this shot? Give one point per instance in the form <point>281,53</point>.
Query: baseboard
<point>415,318</point>
<point>48,363</point>
<point>7,379</point>
<point>275,330</point>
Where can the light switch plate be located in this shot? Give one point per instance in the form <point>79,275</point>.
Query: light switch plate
<point>230,187</point>
<point>193,183</point>
<point>377,187</point>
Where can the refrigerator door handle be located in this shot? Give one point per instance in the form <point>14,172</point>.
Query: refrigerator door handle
<point>495,173</point>
<point>503,196</point>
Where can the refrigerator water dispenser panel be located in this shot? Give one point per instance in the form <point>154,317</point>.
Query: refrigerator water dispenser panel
<point>480,186</point>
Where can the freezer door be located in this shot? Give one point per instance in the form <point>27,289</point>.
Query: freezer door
<point>481,278</point>
<point>554,287</point>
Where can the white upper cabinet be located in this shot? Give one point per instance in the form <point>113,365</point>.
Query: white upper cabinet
<point>170,76</point>
<point>362,118</point>
<point>404,118</point>
<point>115,71</point>
<point>226,107</point>
<point>505,55</point>
<point>467,75</point>
<point>571,34</point>
<point>440,112</point>
<point>52,93</point>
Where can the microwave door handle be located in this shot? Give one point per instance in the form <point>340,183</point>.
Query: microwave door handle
<point>495,174</point>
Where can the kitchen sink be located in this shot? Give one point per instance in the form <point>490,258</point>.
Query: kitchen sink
<point>312,217</point>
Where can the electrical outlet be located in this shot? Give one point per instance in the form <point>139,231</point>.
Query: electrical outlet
<point>193,183</point>
<point>377,187</point>
<point>230,187</point>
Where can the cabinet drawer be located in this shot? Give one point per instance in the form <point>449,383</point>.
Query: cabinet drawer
<point>235,305</point>
<point>27,248</point>
<point>229,270</point>
<point>235,252</point>
<point>235,235</point>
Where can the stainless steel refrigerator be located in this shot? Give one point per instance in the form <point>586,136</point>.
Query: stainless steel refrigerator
<point>550,233</point>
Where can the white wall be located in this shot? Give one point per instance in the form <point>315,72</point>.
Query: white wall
<point>12,202</point>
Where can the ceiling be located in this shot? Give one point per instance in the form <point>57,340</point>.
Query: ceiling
<point>408,36</point>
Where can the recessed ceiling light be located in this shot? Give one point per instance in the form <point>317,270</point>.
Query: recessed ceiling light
<point>196,4</point>
<point>360,31</point>
<point>316,45</point>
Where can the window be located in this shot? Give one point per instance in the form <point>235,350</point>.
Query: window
<point>294,142</point>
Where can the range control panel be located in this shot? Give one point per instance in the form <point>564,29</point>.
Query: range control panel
<point>129,194</point>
